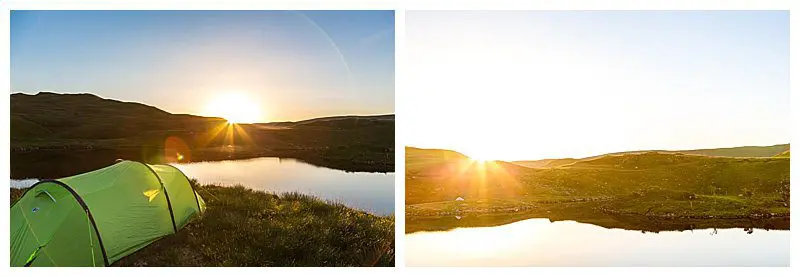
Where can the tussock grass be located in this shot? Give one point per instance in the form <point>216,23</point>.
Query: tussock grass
<point>243,227</point>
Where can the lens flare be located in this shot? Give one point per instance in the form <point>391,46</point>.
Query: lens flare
<point>176,151</point>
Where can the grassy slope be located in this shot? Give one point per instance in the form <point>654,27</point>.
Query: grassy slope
<point>744,151</point>
<point>546,163</point>
<point>58,123</point>
<point>651,184</point>
<point>242,227</point>
<point>737,152</point>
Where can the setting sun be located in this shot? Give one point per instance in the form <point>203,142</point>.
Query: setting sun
<point>484,155</point>
<point>234,107</point>
<point>479,159</point>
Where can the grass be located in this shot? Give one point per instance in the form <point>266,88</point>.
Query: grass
<point>779,150</point>
<point>742,151</point>
<point>243,227</point>
<point>645,191</point>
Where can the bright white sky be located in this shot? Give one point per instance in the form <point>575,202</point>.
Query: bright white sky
<point>518,85</point>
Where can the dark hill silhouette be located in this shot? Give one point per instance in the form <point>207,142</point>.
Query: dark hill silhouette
<point>54,126</point>
<point>87,116</point>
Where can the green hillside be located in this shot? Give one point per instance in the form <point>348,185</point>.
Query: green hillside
<point>647,184</point>
<point>744,151</point>
<point>738,152</point>
<point>546,163</point>
<point>420,159</point>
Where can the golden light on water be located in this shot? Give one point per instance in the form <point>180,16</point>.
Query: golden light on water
<point>481,243</point>
<point>234,107</point>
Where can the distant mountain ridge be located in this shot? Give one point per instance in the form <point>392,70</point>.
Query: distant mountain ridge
<point>740,151</point>
<point>85,115</point>
<point>46,125</point>
<point>737,152</point>
<point>341,121</point>
<point>545,163</point>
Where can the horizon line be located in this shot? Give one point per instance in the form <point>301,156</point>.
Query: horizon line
<point>216,117</point>
<point>603,154</point>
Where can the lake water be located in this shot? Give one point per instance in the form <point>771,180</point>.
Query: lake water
<point>538,242</point>
<point>371,192</point>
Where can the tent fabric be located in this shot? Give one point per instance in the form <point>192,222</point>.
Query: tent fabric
<point>99,217</point>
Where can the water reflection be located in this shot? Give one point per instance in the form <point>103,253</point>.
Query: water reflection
<point>24,183</point>
<point>538,242</point>
<point>372,192</point>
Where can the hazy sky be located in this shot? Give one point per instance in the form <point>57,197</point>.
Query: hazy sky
<point>294,65</point>
<point>549,84</point>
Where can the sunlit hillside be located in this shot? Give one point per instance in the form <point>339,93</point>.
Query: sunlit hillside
<point>649,183</point>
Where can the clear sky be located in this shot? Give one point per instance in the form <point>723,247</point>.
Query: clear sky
<point>290,65</point>
<point>516,85</point>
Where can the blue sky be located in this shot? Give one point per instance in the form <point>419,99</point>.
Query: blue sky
<point>294,64</point>
<point>518,85</point>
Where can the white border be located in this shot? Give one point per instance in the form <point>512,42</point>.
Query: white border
<point>400,151</point>
<point>402,106</point>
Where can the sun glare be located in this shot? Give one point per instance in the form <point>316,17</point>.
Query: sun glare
<point>480,158</point>
<point>234,107</point>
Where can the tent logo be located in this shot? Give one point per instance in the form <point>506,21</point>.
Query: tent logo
<point>151,194</point>
<point>35,209</point>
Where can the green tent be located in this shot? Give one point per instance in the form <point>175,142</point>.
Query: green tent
<point>96,218</point>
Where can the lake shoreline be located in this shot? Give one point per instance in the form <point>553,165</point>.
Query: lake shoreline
<point>78,162</point>
<point>442,216</point>
<point>370,192</point>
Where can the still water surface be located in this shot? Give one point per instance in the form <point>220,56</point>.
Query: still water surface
<point>538,242</point>
<point>371,192</point>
